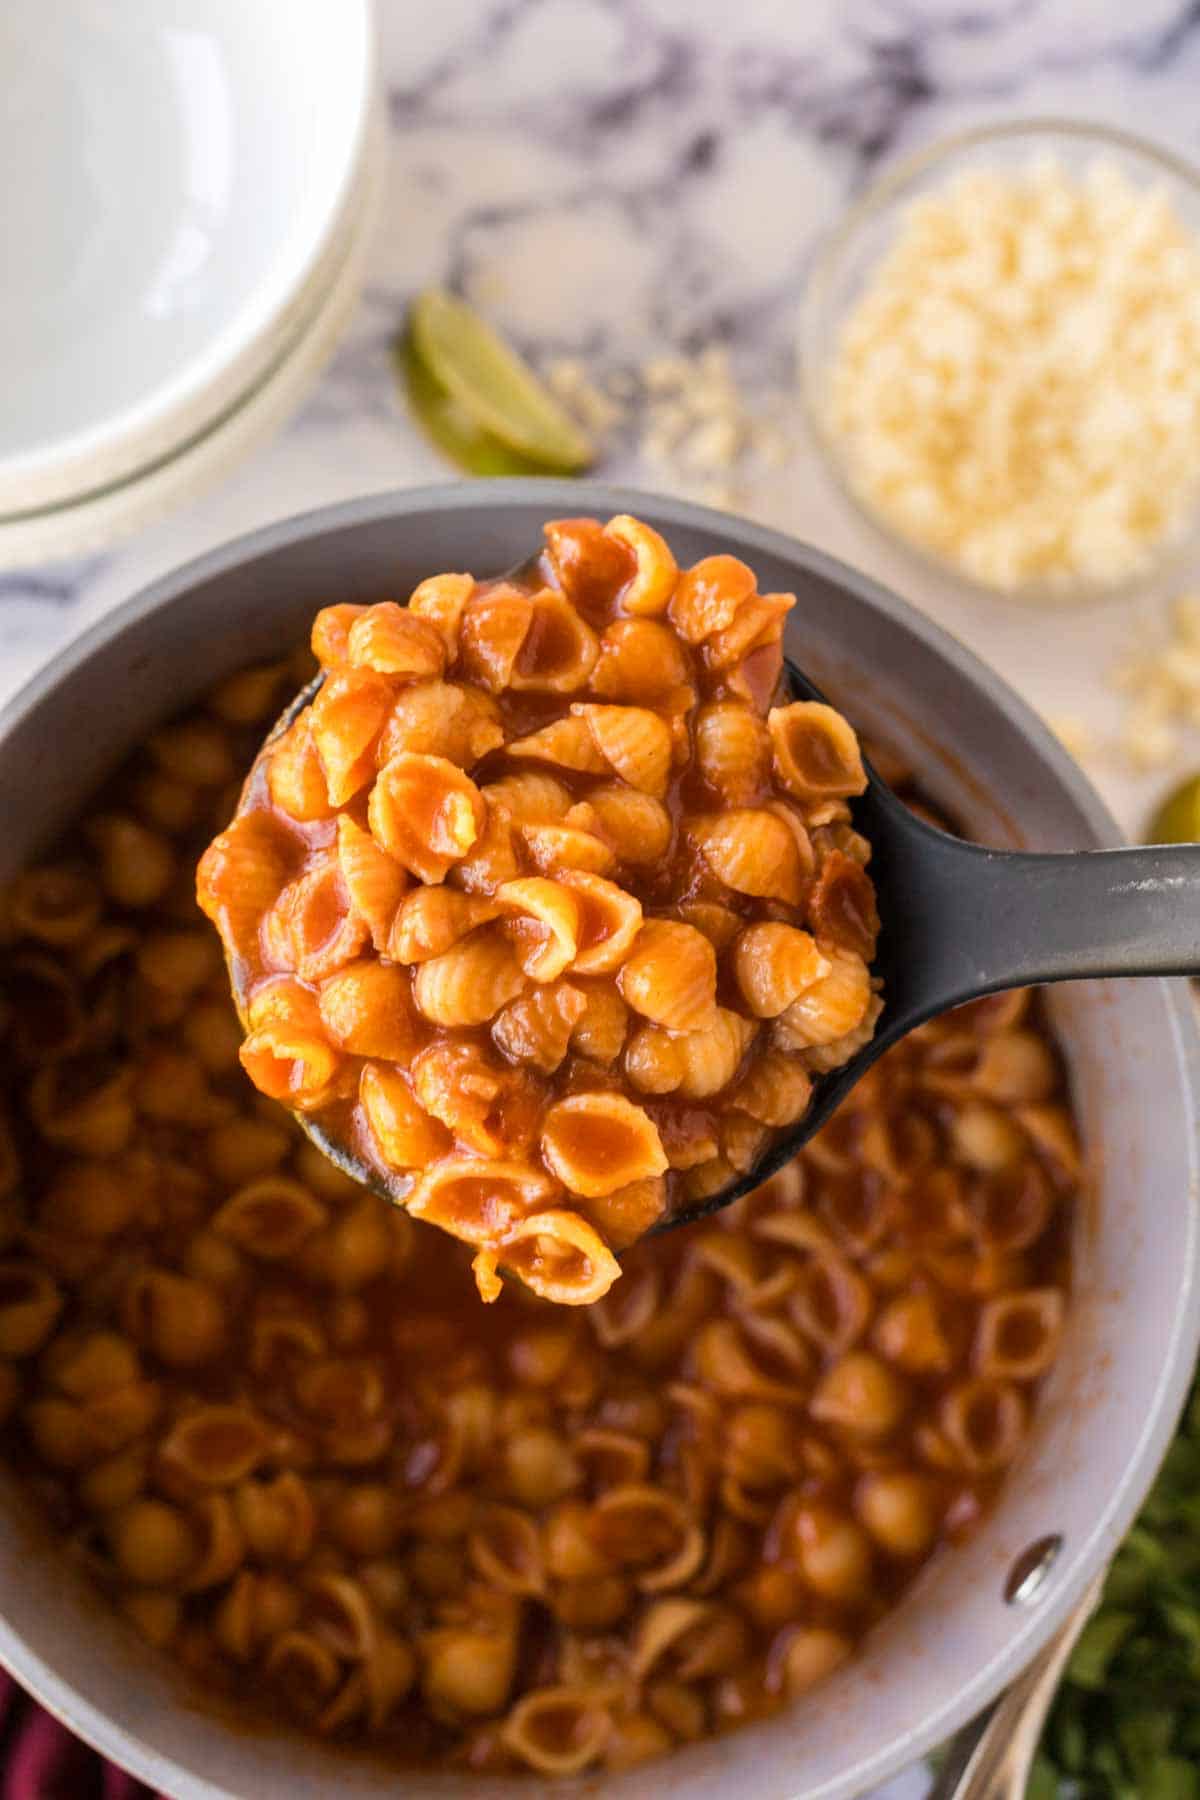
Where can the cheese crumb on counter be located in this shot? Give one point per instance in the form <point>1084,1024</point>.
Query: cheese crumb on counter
<point>1017,389</point>
<point>1162,690</point>
<point>1159,688</point>
<point>691,418</point>
<point>1073,734</point>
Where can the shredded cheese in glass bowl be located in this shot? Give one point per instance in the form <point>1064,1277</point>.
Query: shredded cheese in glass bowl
<point>1001,357</point>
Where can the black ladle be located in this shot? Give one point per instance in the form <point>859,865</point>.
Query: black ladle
<point>959,922</point>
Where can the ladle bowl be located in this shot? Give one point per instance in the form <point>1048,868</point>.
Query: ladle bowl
<point>958,922</point>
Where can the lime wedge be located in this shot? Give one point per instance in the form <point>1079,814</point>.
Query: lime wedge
<point>449,425</point>
<point>1177,820</point>
<point>494,385</point>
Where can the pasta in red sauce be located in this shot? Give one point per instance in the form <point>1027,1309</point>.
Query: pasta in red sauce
<point>547,905</point>
<point>266,1410</point>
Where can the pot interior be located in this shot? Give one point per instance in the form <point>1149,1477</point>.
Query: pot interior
<point>1110,1406</point>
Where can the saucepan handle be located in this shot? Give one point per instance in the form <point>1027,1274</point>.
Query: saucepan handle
<point>990,1758</point>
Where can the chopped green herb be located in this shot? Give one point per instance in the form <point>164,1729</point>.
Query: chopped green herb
<point>1125,1724</point>
<point>1101,1639</point>
<point>1172,1779</point>
<point>1043,1782</point>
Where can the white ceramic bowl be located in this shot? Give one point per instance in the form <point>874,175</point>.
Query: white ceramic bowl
<point>87,521</point>
<point>177,176</point>
<point>1132,1327</point>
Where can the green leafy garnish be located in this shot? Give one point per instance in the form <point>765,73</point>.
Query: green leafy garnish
<point>1101,1639</point>
<point>1043,1782</point>
<point>479,392</point>
<point>1126,1722</point>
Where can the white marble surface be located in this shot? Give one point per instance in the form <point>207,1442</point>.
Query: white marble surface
<point>619,176</point>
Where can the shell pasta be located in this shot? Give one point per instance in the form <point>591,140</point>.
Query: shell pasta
<point>261,1404</point>
<point>551,877</point>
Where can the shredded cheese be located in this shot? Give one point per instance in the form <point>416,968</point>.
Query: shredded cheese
<point>1017,389</point>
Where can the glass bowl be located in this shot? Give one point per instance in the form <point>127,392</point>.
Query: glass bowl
<point>849,255</point>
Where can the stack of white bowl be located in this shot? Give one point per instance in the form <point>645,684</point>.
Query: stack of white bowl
<point>185,197</point>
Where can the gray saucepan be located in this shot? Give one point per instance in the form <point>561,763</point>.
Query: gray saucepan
<point>956,1640</point>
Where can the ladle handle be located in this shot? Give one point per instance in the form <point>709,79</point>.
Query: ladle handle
<point>1098,912</point>
<point>981,920</point>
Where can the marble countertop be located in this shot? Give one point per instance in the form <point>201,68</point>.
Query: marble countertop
<point>619,178</point>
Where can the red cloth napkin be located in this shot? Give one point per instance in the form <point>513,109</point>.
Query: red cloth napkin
<point>41,1760</point>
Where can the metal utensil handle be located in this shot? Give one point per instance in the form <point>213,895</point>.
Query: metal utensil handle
<point>990,1758</point>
